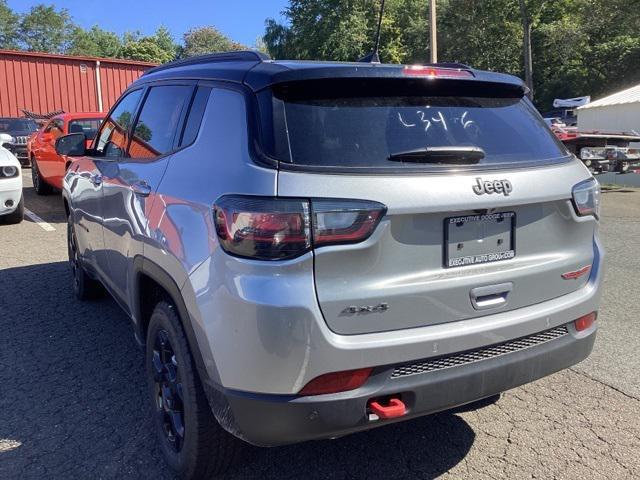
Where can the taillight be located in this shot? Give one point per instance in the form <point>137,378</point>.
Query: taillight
<point>344,221</point>
<point>263,228</point>
<point>586,198</point>
<point>337,382</point>
<point>266,228</point>
<point>585,321</point>
<point>439,72</point>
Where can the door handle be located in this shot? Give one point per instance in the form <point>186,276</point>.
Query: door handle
<point>141,188</point>
<point>491,296</point>
<point>96,179</point>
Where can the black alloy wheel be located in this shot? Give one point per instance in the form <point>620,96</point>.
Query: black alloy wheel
<point>168,390</point>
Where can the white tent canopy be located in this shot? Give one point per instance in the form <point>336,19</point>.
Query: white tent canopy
<point>619,112</point>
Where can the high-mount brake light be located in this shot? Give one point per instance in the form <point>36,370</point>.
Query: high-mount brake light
<point>436,72</point>
<point>267,228</point>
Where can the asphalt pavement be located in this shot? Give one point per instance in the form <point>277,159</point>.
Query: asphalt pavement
<point>73,396</point>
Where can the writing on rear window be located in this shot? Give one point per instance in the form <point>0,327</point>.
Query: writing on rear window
<point>357,132</point>
<point>426,119</point>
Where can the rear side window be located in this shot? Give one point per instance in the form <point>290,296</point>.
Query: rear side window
<point>88,126</point>
<point>158,124</point>
<point>194,117</point>
<point>369,131</point>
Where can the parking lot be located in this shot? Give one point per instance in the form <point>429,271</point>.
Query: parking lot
<point>73,394</point>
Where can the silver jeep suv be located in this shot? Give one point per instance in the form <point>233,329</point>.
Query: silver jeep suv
<point>311,249</point>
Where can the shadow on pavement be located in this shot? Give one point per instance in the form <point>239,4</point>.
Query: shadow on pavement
<point>73,402</point>
<point>48,207</point>
<point>422,448</point>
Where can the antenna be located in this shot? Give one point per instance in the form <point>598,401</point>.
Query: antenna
<point>374,57</point>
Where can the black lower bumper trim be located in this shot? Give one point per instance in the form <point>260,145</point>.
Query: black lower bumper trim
<point>270,420</point>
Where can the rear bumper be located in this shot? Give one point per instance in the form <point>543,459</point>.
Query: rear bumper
<point>271,420</point>
<point>260,329</point>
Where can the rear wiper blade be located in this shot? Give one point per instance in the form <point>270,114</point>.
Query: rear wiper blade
<point>450,155</point>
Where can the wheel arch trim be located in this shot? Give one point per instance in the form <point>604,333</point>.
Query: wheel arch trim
<point>143,267</point>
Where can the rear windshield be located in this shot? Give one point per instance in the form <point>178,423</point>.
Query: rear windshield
<point>88,126</point>
<point>369,131</point>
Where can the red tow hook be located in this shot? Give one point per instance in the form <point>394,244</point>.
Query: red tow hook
<point>394,409</point>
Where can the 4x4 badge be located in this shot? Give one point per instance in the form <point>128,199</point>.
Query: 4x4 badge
<point>492,186</point>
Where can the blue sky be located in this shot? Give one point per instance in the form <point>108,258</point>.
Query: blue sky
<point>242,20</point>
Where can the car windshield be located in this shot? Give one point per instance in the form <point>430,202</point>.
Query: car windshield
<point>371,131</point>
<point>17,125</point>
<point>88,126</point>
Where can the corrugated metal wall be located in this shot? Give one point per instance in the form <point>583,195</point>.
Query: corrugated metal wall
<point>44,83</point>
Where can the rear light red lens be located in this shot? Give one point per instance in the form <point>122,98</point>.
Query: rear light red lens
<point>337,382</point>
<point>344,221</point>
<point>586,198</point>
<point>263,228</point>
<point>439,72</point>
<point>585,322</point>
<point>267,228</point>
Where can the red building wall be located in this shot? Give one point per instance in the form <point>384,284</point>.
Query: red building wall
<point>44,83</point>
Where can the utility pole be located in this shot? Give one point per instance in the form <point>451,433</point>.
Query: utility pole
<point>528,58</point>
<point>433,31</point>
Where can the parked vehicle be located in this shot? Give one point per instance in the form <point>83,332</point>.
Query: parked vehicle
<point>311,249</point>
<point>11,200</point>
<point>554,122</point>
<point>601,151</point>
<point>19,129</point>
<point>566,115</point>
<point>48,168</point>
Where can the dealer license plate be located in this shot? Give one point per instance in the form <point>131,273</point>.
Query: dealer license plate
<point>475,239</point>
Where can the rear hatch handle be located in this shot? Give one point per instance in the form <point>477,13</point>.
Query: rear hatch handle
<point>490,296</point>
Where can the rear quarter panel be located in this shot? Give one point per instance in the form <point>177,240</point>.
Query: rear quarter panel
<point>181,234</point>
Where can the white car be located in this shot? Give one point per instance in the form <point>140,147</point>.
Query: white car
<point>11,199</point>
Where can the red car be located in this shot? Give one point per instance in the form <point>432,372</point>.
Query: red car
<point>47,167</point>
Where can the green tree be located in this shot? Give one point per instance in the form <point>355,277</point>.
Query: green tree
<point>165,42</point>
<point>278,40</point>
<point>201,40</point>
<point>145,50</point>
<point>45,29</point>
<point>94,43</point>
<point>485,35</point>
<point>9,23</point>
<point>345,30</point>
<point>158,48</point>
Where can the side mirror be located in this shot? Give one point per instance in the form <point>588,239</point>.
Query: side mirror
<point>73,145</point>
<point>5,138</point>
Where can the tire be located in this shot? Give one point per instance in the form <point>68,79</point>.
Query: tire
<point>39,185</point>
<point>17,215</point>
<point>84,287</point>
<point>192,442</point>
